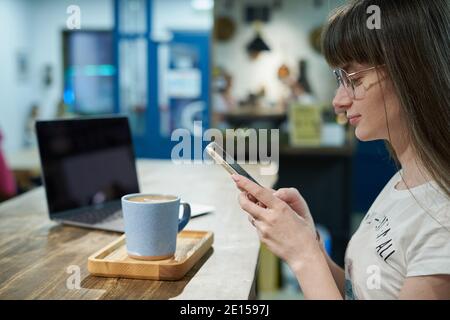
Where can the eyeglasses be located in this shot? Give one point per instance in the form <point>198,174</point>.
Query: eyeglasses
<point>354,87</point>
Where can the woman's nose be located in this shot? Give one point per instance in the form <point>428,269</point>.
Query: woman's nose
<point>342,100</point>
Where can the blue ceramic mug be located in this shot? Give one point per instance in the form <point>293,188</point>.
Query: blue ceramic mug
<point>152,224</point>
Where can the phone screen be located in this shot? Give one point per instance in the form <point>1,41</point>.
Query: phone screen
<point>214,149</point>
<point>239,170</point>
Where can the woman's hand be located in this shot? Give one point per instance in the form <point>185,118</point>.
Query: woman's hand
<point>286,233</point>
<point>295,200</point>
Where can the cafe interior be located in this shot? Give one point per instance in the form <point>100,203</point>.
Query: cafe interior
<point>195,65</point>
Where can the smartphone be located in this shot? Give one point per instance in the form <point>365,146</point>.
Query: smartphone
<point>221,157</point>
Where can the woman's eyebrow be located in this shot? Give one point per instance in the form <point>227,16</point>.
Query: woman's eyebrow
<point>348,67</point>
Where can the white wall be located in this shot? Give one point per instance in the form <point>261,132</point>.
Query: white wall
<point>36,25</point>
<point>287,35</point>
<point>178,15</point>
<point>15,95</point>
<point>48,20</point>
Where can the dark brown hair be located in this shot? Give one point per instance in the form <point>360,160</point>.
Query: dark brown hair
<point>413,43</point>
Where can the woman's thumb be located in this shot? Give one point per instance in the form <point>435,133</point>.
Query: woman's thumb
<point>283,194</point>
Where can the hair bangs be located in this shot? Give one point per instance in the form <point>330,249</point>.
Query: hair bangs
<point>346,38</point>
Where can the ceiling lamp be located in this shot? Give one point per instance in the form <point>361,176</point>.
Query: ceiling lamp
<point>257,45</point>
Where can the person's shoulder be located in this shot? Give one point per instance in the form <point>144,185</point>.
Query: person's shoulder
<point>435,203</point>
<point>424,209</point>
<point>430,222</point>
<point>442,215</point>
<point>427,246</point>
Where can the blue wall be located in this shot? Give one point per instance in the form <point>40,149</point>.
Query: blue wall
<point>372,169</point>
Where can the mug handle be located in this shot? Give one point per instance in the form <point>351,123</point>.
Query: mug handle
<point>186,216</point>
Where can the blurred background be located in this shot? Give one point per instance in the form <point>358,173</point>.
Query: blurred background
<point>193,64</point>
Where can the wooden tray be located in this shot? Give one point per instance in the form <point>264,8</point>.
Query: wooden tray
<point>113,261</point>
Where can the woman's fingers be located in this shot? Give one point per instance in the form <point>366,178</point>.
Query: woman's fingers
<point>294,199</point>
<point>252,220</point>
<point>251,198</point>
<point>261,194</point>
<point>254,200</point>
<point>255,211</point>
<point>287,194</point>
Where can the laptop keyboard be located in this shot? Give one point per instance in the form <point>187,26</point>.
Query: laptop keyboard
<point>94,216</point>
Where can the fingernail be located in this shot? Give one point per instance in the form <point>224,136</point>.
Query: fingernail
<point>235,177</point>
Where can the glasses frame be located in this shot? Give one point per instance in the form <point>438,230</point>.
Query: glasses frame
<point>351,89</point>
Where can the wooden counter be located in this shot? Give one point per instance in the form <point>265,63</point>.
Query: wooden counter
<point>37,255</point>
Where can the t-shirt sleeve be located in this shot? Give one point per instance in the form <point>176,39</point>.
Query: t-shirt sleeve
<point>429,253</point>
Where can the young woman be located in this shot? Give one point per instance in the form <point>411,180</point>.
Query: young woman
<point>394,84</point>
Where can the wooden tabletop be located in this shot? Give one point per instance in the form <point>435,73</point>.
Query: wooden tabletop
<point>38,256</point>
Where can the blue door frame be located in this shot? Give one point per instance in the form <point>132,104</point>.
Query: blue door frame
<point>152,144</point>
<point>200,41</point>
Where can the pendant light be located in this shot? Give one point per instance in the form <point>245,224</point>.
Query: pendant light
<point>257,44</point>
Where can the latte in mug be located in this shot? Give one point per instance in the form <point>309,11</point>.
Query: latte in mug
<point>152,198</point>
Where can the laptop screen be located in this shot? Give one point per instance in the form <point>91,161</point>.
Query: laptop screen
<point>86,162</point>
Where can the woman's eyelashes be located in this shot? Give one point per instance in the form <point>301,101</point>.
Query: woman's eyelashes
<point>357,81</point>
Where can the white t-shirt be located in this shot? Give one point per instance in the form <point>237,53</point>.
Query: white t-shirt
<point>398,239</point>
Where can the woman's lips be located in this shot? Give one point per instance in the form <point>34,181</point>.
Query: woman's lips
<point>354,119</point>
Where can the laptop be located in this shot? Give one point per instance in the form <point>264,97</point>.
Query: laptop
<point>88,164</point>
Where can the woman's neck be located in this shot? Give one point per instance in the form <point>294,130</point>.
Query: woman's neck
<point>413,173</point>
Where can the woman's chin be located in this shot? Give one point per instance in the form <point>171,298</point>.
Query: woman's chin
<point>363,135</point>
